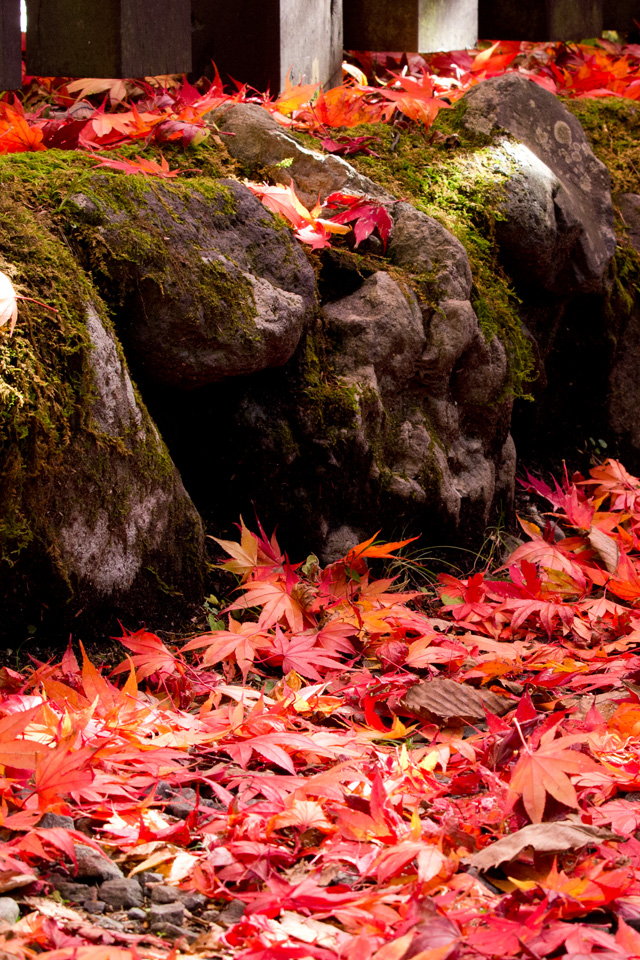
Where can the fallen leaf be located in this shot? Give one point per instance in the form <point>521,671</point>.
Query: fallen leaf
<point>442,699</point>
<point>554,837</point>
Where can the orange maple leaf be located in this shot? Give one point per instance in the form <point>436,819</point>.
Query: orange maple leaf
<point>546,770</point>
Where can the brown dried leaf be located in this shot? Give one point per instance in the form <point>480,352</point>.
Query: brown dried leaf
<point>436,700</point>
<point>541,837</point>
<point>606,548</point>
<point>12,880</point>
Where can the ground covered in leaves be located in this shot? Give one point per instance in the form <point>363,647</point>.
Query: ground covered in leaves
<point>342,769</point>
<point>337,769</point>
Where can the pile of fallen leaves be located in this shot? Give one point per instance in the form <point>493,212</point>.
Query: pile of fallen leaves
<point>339,769</point>
<point>99,116</point>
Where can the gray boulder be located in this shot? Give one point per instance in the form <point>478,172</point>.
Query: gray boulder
<point>431,410</point>
<point>558,231</point>
<point>95,518</point>
<point>211,286</point>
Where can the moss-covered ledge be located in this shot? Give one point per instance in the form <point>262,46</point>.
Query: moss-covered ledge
<point>93,515</point>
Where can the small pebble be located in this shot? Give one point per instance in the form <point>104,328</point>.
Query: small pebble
<point>147,876</point>
<point>110,924</point>
<point>49,820</point>
<point>93,864</point>
<point>94,906</point>
<point>122,893</point>
<point>193,901</point>
<point>232,912</point>
<point>9,910</point>
<point>163,893</point>
<point>136,914</point>
<point>175,932</point>
<point>166,913</point>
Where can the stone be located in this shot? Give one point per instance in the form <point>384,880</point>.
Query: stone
<point>75,892</point>
<point>163,893</point>
<point>262,42</point>
<point>629,207</point>
<point>95,865</point>
<point>174,932</point>
<point>558,231</point>
<point>136,914</point>
<point>122,893</point>
<point>429,390</point>
<point>96,518</point>
<point>166,913</point>
<point>192,900</point>
<point>9,910</point>
<point>535,20</point>
<point>10,46</point>
<point>233,911</point>
<point>109,924</point>
<point>220,291</point>
<point>257,141</point>
<point>52,820</point>
<point>65,38</point>
<point>95,906</point>
<point>410,25</point>
<point>424,246</point>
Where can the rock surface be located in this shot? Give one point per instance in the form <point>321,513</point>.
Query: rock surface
<point>559,231</point>
<point>259,142</point>
<point>212,287</point>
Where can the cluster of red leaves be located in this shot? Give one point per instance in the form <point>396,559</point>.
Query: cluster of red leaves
<point>352,795</point>
<point>57,113</point>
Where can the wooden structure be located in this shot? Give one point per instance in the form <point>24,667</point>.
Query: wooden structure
<point>108,38</point>
<point>260,42</point>
<point>410,25</point>
<point>540,19</point>
<point>620,14</point>
<point>10,60</point>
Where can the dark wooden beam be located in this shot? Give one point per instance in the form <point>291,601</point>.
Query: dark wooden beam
<point>259,42</point>
<point>10,49</point>
<point>416,26</point>
<point>108,38</point>
<point>621,14</point>
<point>540,19</point>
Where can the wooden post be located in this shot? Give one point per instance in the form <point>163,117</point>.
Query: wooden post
<point>540,19</point>
<point>108,38</point>
<point>10,45</point>
<point>416,26</point>
<point>259,42</point>
<point>620,15</point>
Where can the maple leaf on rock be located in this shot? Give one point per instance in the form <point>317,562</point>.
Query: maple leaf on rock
<point>366,214</point>
<point>140,165</point>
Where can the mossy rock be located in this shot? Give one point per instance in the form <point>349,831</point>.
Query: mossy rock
<point>94,520</point>
<point>204,282</point>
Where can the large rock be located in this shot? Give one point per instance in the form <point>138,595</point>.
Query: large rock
<point>558,231</point>
<point>430,392</point>
<point>211,287</point>
<point>259,142</point>
<point>95,519</point>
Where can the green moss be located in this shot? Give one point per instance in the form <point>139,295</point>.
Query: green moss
<point>451,175</point>
<point>331,404</point>
<point>612,125</point>
<point>134,243</point>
